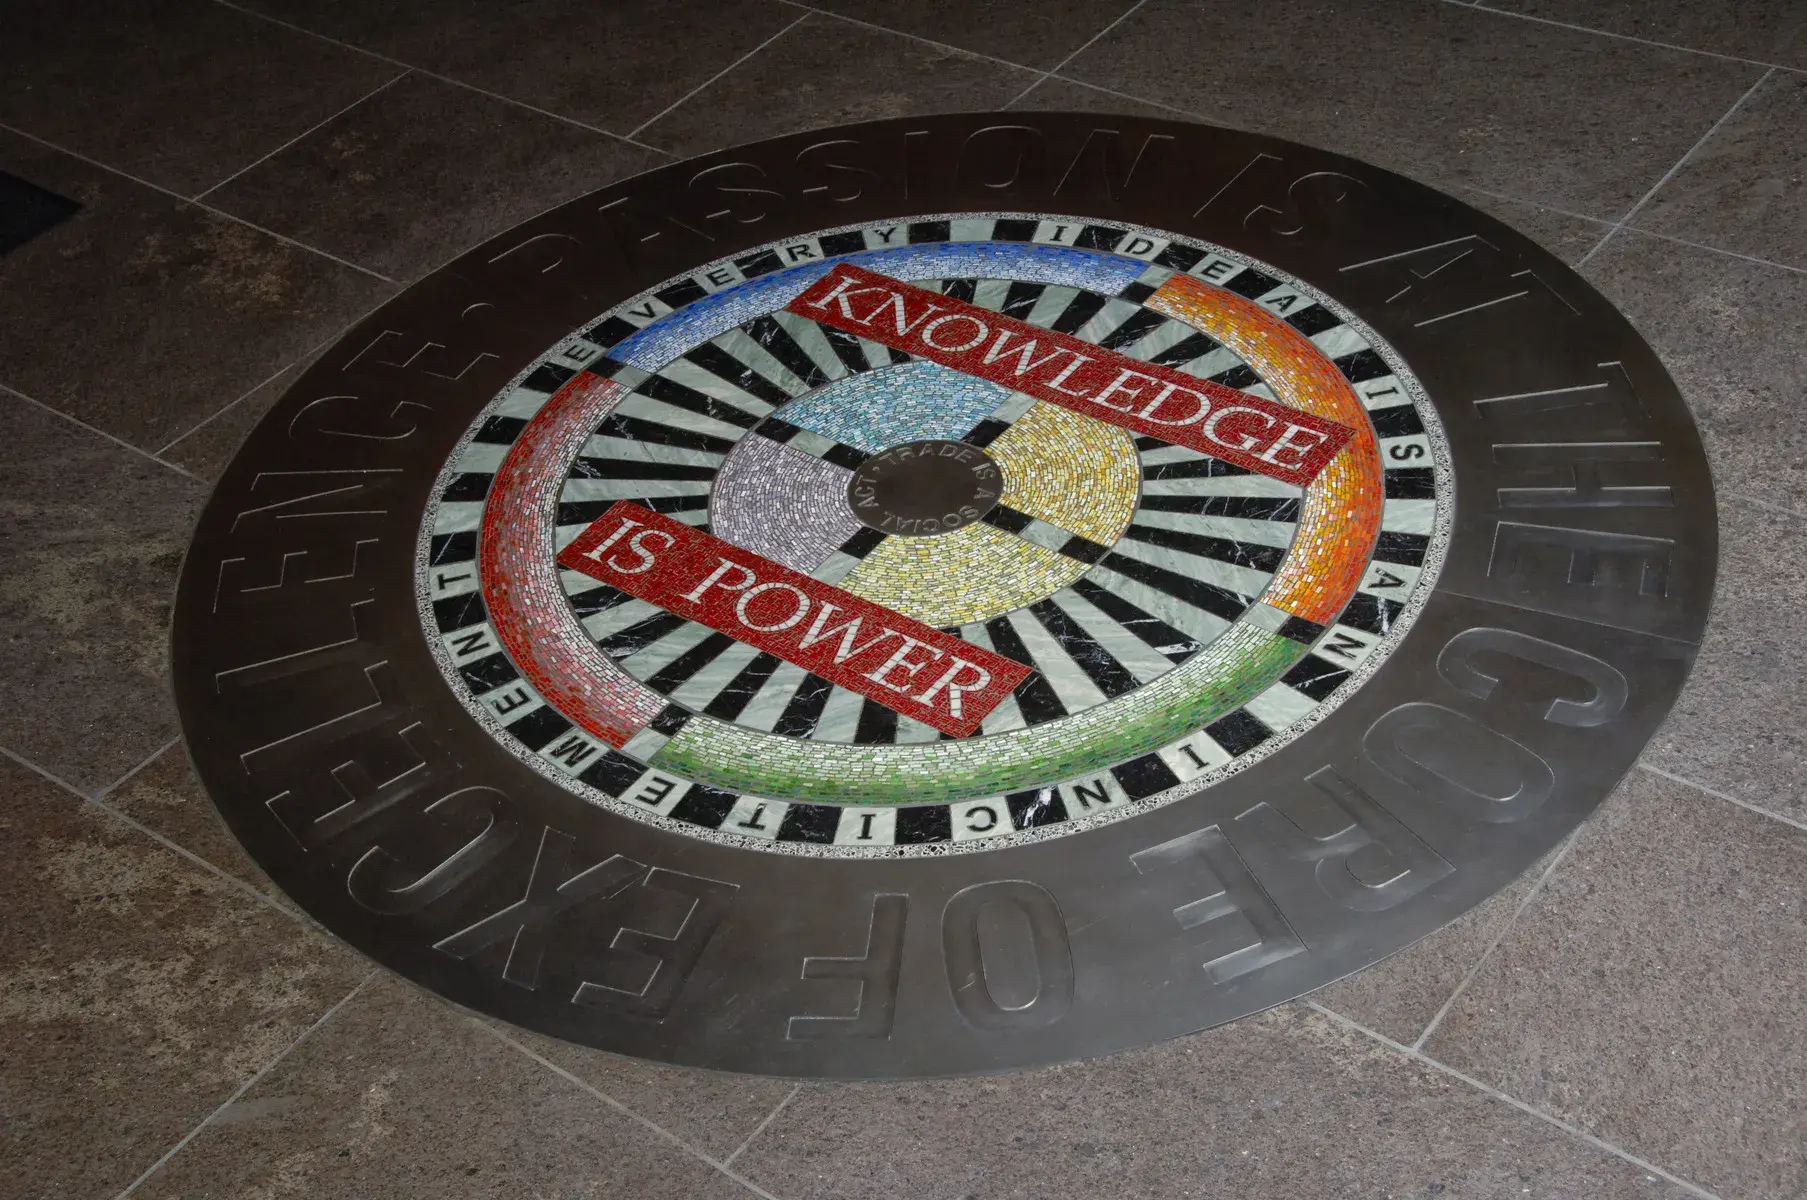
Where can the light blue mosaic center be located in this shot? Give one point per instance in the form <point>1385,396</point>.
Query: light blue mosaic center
<point>903,403</point>
<point>711,316</point>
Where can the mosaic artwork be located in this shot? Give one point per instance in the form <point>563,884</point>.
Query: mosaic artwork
<point>942,596</point>
<point>935,535</point>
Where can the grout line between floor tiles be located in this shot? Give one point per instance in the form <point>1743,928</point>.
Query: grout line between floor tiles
<point>242,885</point>
<point>1679,163</point>
<point>1478,6</point>
<point>1469,187</point>
<point>914,37</point>
<point>1770,505</point>
<point>103,793</point>
<point>166,843</point>
<point>1052,74</point>
<point>760,1128</point>
<point>1095,87</point>
<point>446,79</point>
<point>1719,795</point>
<point>617,1105</point>
<point>250,1083</point>
<point>1506,927</point>
<point>117,441</point>
<point>304,133</point>
<point>1495,1093</point>
<point>685,98</point>
<point>52,776</point>
<point>1749,258</point>
<point>1051,71</point>
<point>304,356</point>
<point>233,403</point>
<point>189,200</point>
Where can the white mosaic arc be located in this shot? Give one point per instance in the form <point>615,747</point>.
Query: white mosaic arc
<point>657,333</point>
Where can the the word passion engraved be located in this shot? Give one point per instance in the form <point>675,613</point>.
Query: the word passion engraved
<point>1134,745</point>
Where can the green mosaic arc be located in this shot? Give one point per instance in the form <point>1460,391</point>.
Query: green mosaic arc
<point>1234,669</point>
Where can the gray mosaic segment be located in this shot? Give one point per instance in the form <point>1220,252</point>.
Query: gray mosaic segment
<point>790,506</point>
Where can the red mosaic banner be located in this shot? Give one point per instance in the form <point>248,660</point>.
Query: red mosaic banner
<point>1256,434</point>
<point>910,668</point>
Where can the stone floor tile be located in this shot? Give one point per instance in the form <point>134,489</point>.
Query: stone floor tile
<point>400,1096</point>
<point>1289,1103</point>
<point>855,74</point>
<point>1437,91</point>
<point>713,1111</point>
<point>206,449</point>
<point>421,172</point>
<point>166,798</point>
<point>614,66</point>
<point>1767,30</point>
<point>1063,95</point>
<point>1745,189</point>
<point>1652,993</point>
<point>1732,335</point>
<point>1401,995</point>
<point>1740,725</point>
<point>179,92</point>
<point>1567,237</point>
<point>142,315</point>
<point>1034,35</point>
<point>91,535</point>
<point>137,991</point>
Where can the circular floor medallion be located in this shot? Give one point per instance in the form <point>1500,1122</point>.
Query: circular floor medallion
<point>920,489</point>
<point>943,596</point>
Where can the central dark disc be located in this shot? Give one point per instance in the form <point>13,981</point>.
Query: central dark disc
<point>923,488</point>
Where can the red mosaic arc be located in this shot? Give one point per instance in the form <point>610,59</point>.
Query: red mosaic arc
<point>1256,434</point>
<point>910,668</point>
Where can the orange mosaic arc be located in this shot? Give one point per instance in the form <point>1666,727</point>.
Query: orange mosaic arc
<point>1342,510</point>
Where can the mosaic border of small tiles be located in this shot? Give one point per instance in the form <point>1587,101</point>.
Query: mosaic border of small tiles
<point>1212,739</point>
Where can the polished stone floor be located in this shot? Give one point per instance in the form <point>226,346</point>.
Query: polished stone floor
<point>1627,1020</point>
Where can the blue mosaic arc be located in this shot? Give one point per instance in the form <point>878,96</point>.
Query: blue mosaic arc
<point>711,316</point>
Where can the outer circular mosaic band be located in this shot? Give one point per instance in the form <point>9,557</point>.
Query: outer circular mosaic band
<point>1347,550</point>
<point>701,771</point>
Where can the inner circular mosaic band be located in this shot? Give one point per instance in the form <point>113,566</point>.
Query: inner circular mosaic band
<point>1169,615</point>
